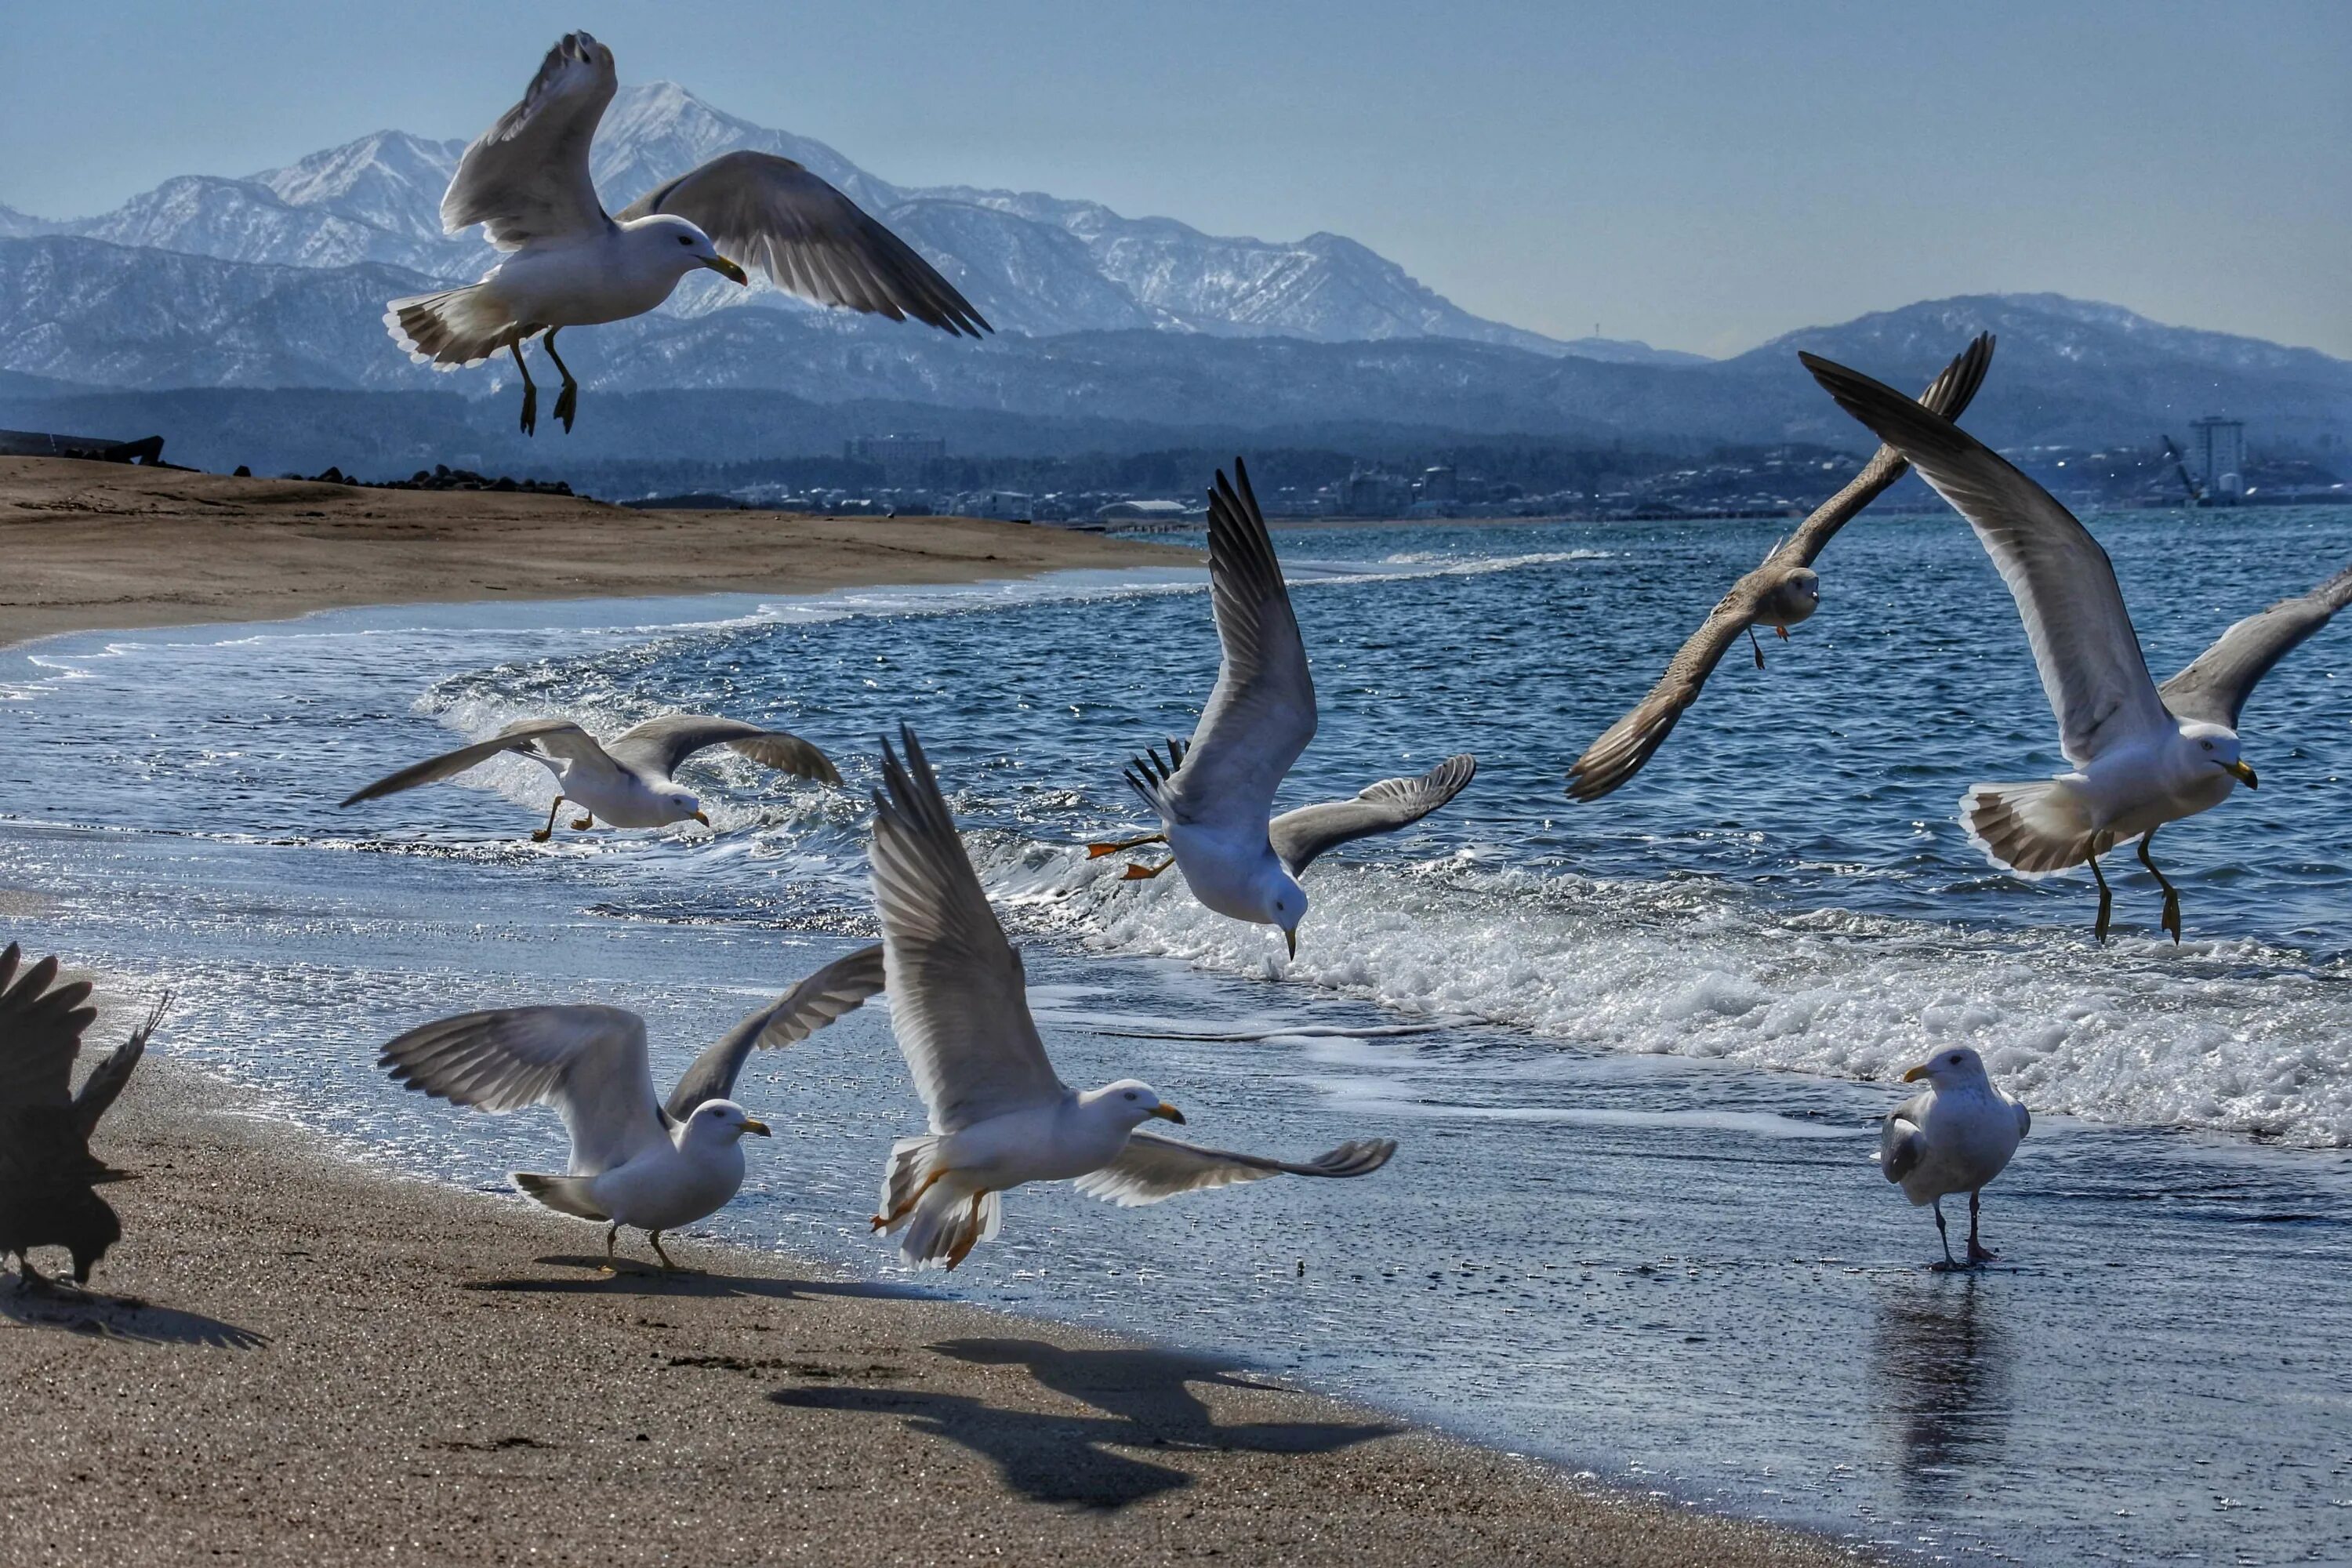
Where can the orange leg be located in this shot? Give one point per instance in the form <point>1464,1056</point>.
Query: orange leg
<point>1097,851</point>
<point>1145,873</point>
<point>882,1221</point>
<point>963,1249</point>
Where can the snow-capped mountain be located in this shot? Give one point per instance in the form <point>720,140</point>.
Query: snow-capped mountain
<point>1034,264</point>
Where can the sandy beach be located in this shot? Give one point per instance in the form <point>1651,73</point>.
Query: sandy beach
<point>104,545</point>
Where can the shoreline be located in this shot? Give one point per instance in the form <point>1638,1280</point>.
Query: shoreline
<point>301,1357</point>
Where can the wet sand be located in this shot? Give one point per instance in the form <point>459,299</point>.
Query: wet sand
<point>97,546</point>
<point>304,1360</point>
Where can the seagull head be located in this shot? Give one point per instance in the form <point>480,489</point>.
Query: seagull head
<point>1950,1067</point>
<point>1797,598</point>
<point>719,1122</point>
<point>2218,746</point>
<point>1131,1102</point>
<point>686,245</point>
<point>682,805</point>
<point>1284,899</point>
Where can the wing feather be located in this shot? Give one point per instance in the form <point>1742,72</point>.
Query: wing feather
<point>1901,1145</point>
<point>1153,1168</point>
<point>107,1080</point>
<point>525,178</point>
<point>559,737</point>
<point>589,1062</point>
<point>833,992</point>
<point>1300,836</point>
<point>41,1025</point>
<point>658,745</point>
<point>2215,685</point>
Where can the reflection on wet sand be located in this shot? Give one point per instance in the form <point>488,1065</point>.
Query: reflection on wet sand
<point>1943,1361</point>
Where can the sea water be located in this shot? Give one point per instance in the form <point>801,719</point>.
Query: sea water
<point>1635,1051</point>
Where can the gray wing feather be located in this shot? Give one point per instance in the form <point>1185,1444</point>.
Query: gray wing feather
<point>833,992</point>
<point>1300,836</point>
<point>526,177</point>
<point>1622,750</point>
<point>958,1003</point>
<point>659,745</point>
<point>2215,685</point>
<point>559,737</point>
<point>810,239</point>
<point>2092,667</point>
<point>1151,1169</point>
<point>1900,1144</point>
<point>588,1062</point>
<point>105,1080</point>
<point>40,1032</point>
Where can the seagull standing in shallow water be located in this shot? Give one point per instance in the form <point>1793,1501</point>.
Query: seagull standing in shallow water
<point>1953,1137</point>
<point>525,180</point>
<point>2142,755</point>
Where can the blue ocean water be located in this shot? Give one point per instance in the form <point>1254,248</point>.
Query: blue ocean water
<point>1635,1050</point>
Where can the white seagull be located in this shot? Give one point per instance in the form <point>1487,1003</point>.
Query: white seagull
<point>1954,1136</point>
<point>1215,793</point>
<point>2142,755</point>
<point>626,784</point>
<point>525,180</point>
<point>999,1116</point>
<point>635,1159</point>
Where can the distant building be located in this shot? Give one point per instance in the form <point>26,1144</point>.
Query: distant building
<point>1373,494</point>
<point>1437,486</point>
<point>1148,513</point>
<point>2216,458</point>
<point>899,457</point>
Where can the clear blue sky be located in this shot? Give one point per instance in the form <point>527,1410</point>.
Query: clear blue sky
<point>1699,175</point>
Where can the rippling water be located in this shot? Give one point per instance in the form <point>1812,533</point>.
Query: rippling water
<point>1635,1049</point>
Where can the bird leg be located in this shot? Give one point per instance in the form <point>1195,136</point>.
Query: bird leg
<point>567,402</point>
<point>1144,874</point>
<point>884,1221</point>
<point>668,1266</point>
<point>1097,851</point>
<point>1756,645</point>
<point>2171,897</point>
<point>1977,1251</point>
<point>530,392</point>
<point>2106,900</point>
<point>1783,632</point>
<point>1949,1263</point>
<point>963,1249</point>
<point>548,832</point>
<point>583,823</point>
<point>29,1279</point>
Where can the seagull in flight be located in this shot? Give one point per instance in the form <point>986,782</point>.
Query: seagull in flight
<point>999,1115</point>
<point>570,263</point>
<point>2142,755</point>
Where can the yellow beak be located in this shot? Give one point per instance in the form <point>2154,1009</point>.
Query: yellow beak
<point>1916,1074</point>
<point>1167,1112</point>
<point>702,819</point>
<point>759,1127</point>
<point>2245,775</point>
<point>726,268</point>
<point>1291,937</point>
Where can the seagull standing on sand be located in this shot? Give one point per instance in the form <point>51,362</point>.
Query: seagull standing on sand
<point>1952,1137</point>
<point>48,1177</point>
<point>2142,756</point>
<point>1216,793</point>
<point>999,1116</point>
<point>1780,593</point>
<point>525,180</point>
<point>637,1160</point>
<point>628,782</point>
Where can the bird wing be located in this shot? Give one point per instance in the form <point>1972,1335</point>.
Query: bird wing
<point>1300,836</point>
<point>525,178</point>
<point>1262,713</point>
<point>810,239</point>
<point>1901,1144</point>
<point>588,1062</point>
<point>105,1080</point>
<point>1621,749</point>
<point>1153,1168</point>
<point>836,990</point>
<point>959,1004</point>
<point>555,737</point>
<point>40,1032</point>
<point>2215,685</point>
<point>2092,667</point>
<point>2025,1117</point>
<point>658,745</point>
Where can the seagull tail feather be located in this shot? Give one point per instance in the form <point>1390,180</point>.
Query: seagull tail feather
<point>455,328</point>
<point>2033,829</point>
<point>947,1223</point>
<point>564,1194</point>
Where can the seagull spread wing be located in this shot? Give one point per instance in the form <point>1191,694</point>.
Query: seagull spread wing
<point>810,239</point>
<point>2092,667</point>
<point>658,745</point>
<point>2214,687</point>
<point>1262,713</point>
<point>959,1004</point>
<point>588,1062</point>
<point>107,1080</point>
<point>833,992</point>
<point>532,737</point>
<point>40,1032</point>
<point>1302,835</point>
<point>525,178</point>
<point>1622,750</point>
<point>1153,1168</point>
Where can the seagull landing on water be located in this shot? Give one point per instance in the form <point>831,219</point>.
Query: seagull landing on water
<point>2142,755</point>
<point>637,1160</point>
<point>999,1116</point>
<point>525,180</point>
<point>628,782</point>
<point>1782,592</point>
<point>1953,1137</point>
<point>1215,795</point>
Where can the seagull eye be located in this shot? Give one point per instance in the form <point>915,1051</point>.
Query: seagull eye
<point>2209,745</point>
<point>685,239</point>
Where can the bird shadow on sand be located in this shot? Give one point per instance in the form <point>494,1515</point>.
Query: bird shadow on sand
<point>122,1317</point>
<point>1146,1399</point>
<point>633,1278</point>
